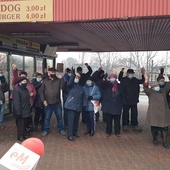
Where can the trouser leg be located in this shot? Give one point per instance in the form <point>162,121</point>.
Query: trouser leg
<point>125,116</point>
<point>134,115</point>
<point>117,124</point>
<point>71,115</point>
<point>76,122</point>
<point>109,124</point>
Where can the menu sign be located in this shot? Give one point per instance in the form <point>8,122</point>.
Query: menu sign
<point>26,10</point>
<point>19,44</point>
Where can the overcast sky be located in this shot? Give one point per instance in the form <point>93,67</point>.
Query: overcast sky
<point>64,55</point>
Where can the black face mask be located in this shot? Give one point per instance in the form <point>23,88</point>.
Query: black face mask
<point>24,85</point>
<point>53,76</point>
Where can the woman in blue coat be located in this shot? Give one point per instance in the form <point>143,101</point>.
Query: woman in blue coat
<point>74,105</point>
<point>92,92</point>
<point>112,104</point>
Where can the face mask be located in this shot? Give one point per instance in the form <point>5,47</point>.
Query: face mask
<point>112,80</point>
<point>130,76</point>
<point>76,80</point>
<point>38,79</point>
<point>89,83</point>
<point>157,88</point>
<point>161,83</point>
<point>53,76</point>
<point>34,78</point>
<point>24,85</point>
<point>1,75</point>
<point>69,74</point>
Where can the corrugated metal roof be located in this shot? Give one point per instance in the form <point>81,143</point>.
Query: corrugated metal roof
<point>76,10</point>
<point>129,35</point>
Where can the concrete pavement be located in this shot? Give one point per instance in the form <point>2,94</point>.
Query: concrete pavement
<point>131,151</point>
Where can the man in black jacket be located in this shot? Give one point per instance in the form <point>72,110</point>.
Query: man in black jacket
<point>130,92</point>
<point>50,96</point>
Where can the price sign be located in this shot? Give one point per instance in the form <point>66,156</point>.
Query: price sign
<point>26,10</point>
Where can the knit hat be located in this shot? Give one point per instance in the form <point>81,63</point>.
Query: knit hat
<point>112,76</point>
<point>90,78</point>
<point>154,83</point>
<point>21,79</point>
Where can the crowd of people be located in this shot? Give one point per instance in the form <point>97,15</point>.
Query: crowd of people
<point>84,93</point>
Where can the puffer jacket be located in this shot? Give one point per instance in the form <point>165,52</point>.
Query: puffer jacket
<point>93,91</point>
<point>75,95</point>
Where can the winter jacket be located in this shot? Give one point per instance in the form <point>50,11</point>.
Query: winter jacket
<point>158,113</point>
<point>21,102</point>
<point>75,95</point>
<point>37,100</point>
<point>30,86</point>
<point>111,101</point>
<point>85,76</point>
<point>130,89</point>
<point>50,90</point>
<point>93,91</point>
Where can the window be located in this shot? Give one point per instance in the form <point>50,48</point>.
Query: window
<point>18,60</point>
<point>49,63</point>
<point>29,66</point>
<point>39,65</point>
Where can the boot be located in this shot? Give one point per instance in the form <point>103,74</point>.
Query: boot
<point>154,135</point>
<point>164,142</point>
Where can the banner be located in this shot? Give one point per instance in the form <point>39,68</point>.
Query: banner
<point>19,44</point>
<point>26,10</point>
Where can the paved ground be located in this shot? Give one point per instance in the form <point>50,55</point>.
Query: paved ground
<point>132,151</point>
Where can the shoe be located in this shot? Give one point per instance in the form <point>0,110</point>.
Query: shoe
<point>62,132</point>
<point>87,132</point>
<point>118,135</point>
<point>76,135</point>
<point>70,139</point>
<point>2,127</point>
<point>21,139</point>
<point>91,133</point>
<point>136,128</point>
<point>155,142</point>
<point>108,134</point>
<point>45,133</point>
<point>165,145</point>
<point>125,129</point>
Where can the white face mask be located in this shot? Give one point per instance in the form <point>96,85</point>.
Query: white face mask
<point>76,80</point>
<point>157,88</point>
<point>112,80</point>
<point>130,76</point>
<point>69,74</point>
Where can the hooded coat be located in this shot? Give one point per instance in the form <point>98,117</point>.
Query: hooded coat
<point>158,113</point>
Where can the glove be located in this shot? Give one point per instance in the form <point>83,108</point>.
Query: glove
<point>90,98</point>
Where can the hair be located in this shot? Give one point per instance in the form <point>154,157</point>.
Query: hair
<point>23,72</point>
<point>39,74</point>
<point>79,69</point>
<point>160,77</point>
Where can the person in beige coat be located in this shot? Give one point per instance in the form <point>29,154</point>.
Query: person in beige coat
<point>158,115</point>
